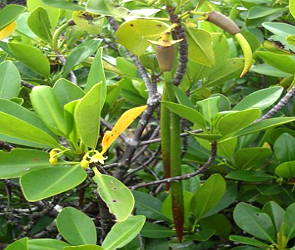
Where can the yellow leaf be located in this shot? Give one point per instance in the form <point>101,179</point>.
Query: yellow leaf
<point>121,125</point>
<point>5,32</point>
<point>246,51</point>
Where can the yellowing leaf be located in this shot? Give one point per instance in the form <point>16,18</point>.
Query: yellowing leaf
<point>121,125</point>
<point>5,32</point>
<point>246,51</point>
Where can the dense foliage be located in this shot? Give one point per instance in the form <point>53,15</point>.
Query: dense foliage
<point>147,124</point>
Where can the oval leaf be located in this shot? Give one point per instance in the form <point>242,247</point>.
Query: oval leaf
<point>9,80</point>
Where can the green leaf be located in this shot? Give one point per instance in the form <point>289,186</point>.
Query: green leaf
<point>282,62</point>
<point>292,7</point>
<point>62,4</point>
<point>268,70</point>
<point>96,73</point>
<point>155,231</point>
<point>280,29</point>
<point>76,227</point>
<point>254,221</point>
<point>134,34</point>
<point>116,195</point>
<point>21,244</point>
<point>265,124</point>
<point>182,97</point>
<point>262,11</point>
<point>79,54</point>
<point>249,176</point>
<point>20,161</point>
<point>53,13</point>
<point>46,244</point>
<point>9,80</point>
<point>44,183</point>
<point>66,91</point>
<point>275,212</point>
<point>284,147</point>
<point>236,121</point>
<point>148,205</point>
<point>84,247</point>
<point>261,99</point>
<point>101,7</point>
<point>286,170</point>
<point>126,67</point>
<point>289,222</point>
<point>208,195</point>
<point>32,57</point>
<point>123,232</point>
<point>47,107</point>
<point>247,241</point>
<point>218,223</point>
<point>200,48</point>
<point>20,129</point>
<point>209,107</point>
<point>249,158</point>
<point>9,13</point>
<point>186,112</point>
<point>87,114</point>
<point>39,23</point>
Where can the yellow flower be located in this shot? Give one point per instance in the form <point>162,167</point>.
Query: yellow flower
<point>7,30</point>
<point>97,157</point>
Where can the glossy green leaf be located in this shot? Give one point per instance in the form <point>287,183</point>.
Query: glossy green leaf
<point>262,11</point>
<point>155,231</point>
<point>47,107</point>
<point>62,4</point>
<point>87,114</point>
<point>9,80</point>
<point>261,99</point>
<point>232,68</point>
<point>208,195</point>
<point>280,29</point>
<point>123,232</point>
<point>249,176</point>
<point>182,98</point>
<point>200,48</point>
<point>186,112</point>
<point>102,7</point>
<point>9,13</point>
<point>148,205</point>
<point>268,70</point>
<point>31,57</point>
<point>53,13</point>
<point>254,221</point>
<point>265,124</point>
<point>275,212</point>
<point>286,170</point>
<point>21,244</point>
<point>116,195</point>
<point>76,227</point>
<point>96,73</point>
<point>46,244</point>
<point>289,221</point>
<point>79,54</point>
<point>284,147</point>
<point>218,223</point>
<point>209,107</point>
<point>20,161</point>
<point>282,62</point>
<point>235,121</point>
<point>44,183</point>
<point>66,91</point>
<point>39,23</point>
<point>134,34</point>
<point>20,129</point>
<point>249,158</point>
<point>248,241</point>
<point>292,7</point>
<point>84,247</point>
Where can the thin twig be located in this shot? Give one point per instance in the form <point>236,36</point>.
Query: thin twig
<point>279,105</point>
<point>202,169</point>
<point>27,85</point>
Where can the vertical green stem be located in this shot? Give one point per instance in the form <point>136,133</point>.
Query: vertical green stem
<point>165,135</point>
<point>175,164</point>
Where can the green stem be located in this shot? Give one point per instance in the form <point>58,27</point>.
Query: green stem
<point>165,135</point>
<point>56,35</point>
<point>175,165</point>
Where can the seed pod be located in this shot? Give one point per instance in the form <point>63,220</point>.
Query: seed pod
<point>165,56</point>
<point>247,51</point>
<point>223,22</point>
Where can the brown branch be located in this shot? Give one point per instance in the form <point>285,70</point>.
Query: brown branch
<point>202,169</point>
